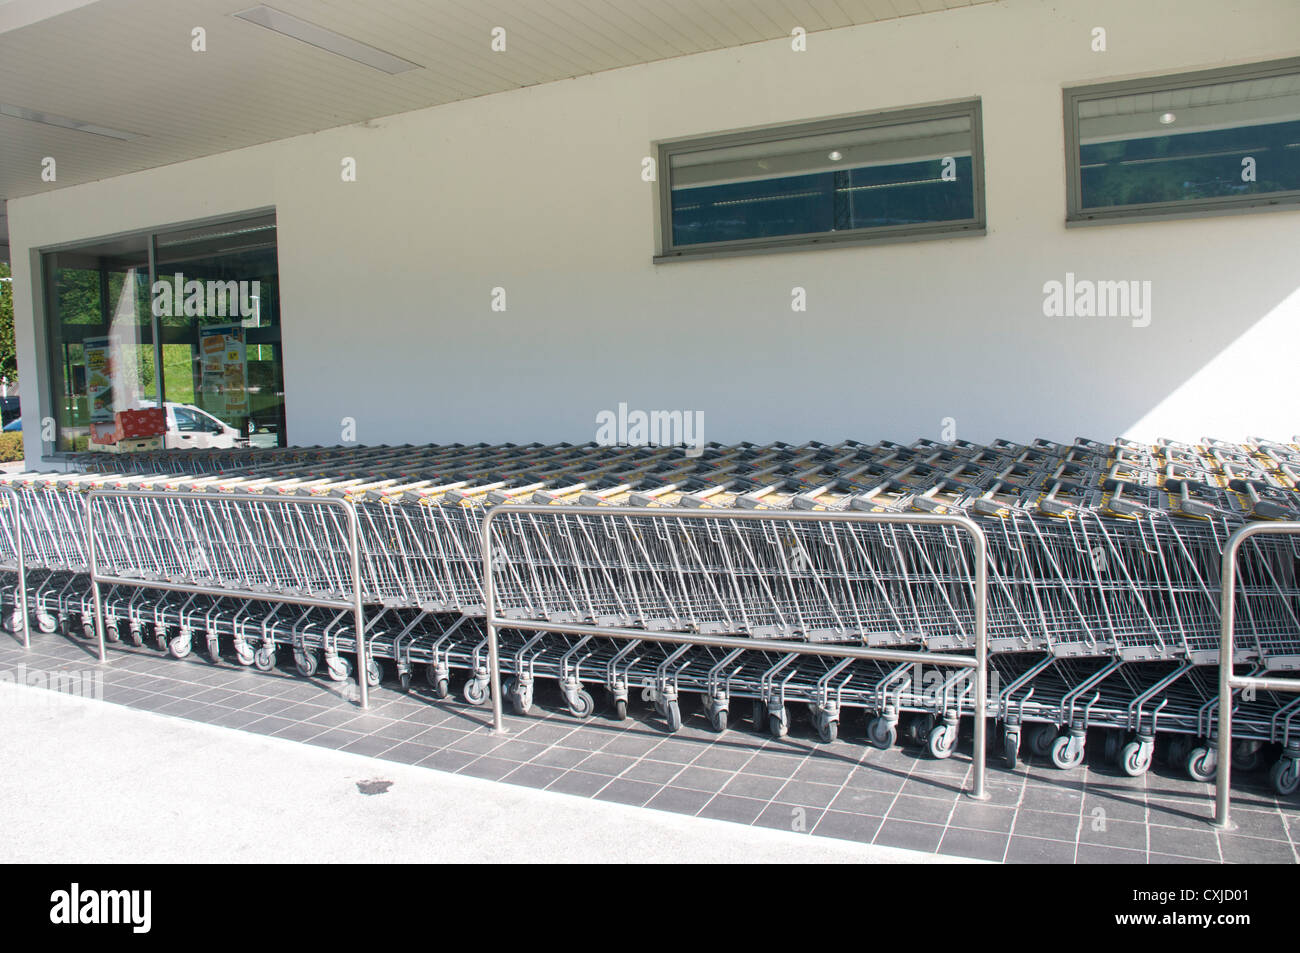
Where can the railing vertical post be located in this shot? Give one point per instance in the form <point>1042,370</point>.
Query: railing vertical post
<point>20,590</point>
<point>92,559</point>
<point>489,608</point>
<point>1229,681</point>
<point>358,613</point>
<point>981,661</point>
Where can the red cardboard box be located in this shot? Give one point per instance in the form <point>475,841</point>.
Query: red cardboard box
<point>103,435</point>
<point>140,423</point>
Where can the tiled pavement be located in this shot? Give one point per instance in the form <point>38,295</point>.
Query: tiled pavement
<point>896,798</point>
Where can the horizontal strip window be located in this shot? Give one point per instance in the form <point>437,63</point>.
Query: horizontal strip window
<point>888,176</point>
<point>1213,141</point>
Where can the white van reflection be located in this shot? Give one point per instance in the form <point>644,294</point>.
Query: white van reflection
<point>190,427</point>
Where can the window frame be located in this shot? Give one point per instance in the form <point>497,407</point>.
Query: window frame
<point>47,306</point>
<point>1076,214</point>
<point>664,150</point>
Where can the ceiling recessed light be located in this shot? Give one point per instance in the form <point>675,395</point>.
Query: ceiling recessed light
<point>63,122</point>
<point>1167,118</point>
<point>835,156</point>
<point>326,40</point>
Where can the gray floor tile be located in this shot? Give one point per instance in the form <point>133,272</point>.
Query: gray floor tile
<point>1029,823</point>
<point>408,752</point>
<point>910,835</point>
<point>1037,850</point>
<point>1240,849</point>
<point>807,794</point>
<point>726,807</point>
<point>489,768</point>
<point>369,745</point>
<point>533,775</point>
<point>336,738</point>
<point>722,758</point>
<point>702,779</point>
<point>447,760</point>
<point>578,782</point>
<point>753,786</point>
<point>556,757</point>
<point>856,827</point>
<point>980,845</point>
<point>679,800</point>
<point>861,801</point>
<point>1107,832</point>
<point>1098,854</point>
<point>789,817</point>
<point>823,771</point>
<point>623,791</point>
<point>981,816</point>
<point>929,810</point>
<point>610,765</point>
<point>1185,842</point>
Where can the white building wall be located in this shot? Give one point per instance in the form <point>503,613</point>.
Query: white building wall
<point>386,282</point>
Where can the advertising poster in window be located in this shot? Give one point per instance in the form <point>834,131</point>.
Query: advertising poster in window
<point>224,378</point>
<point>99,379</point>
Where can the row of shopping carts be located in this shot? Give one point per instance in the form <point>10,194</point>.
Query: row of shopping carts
<point>1103,566</point>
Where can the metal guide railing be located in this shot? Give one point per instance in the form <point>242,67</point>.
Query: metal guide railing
<point>1230,681</point>
<point>236,588</point>
<point>13,503</point>
<point>977,664</point>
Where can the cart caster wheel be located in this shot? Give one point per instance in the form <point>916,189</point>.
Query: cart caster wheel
<point>1113,749</point>
<point>760,716</point>
<point>88,631</point>
<point>65,626</point>
<point>917,729</point>
<point>405,679</point>
<point>338,669</point>
<point>1135,759</point>
<point>1011,750</point>
<point>305,662</point>
<point>881,733</point>
<point>374,674</point>
<point>1285,776</point>
<point>1176,754</point>
<point>135,635</point>
<point>582,705</point>
<point>521,699</point>
<point>264,659</point>
<point>1041,739</point>
<point>46,623</point>
<point>673,715</point>
<point>10,622</point>
<point>214,651</point>
<point>1067,752</point>
<point>160,638</point>
<point>620,709</point>
<point>111,633</point>
<point>180,646</point>
<point>778,725</point>
<point>437,682</point>
<point>1201,763</point>
<point>942,741</point>
<point>828,729</point>
<point>244,653</point>
<point>718,719</point>
<point>1246,756</point>
<point>475,691</point>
